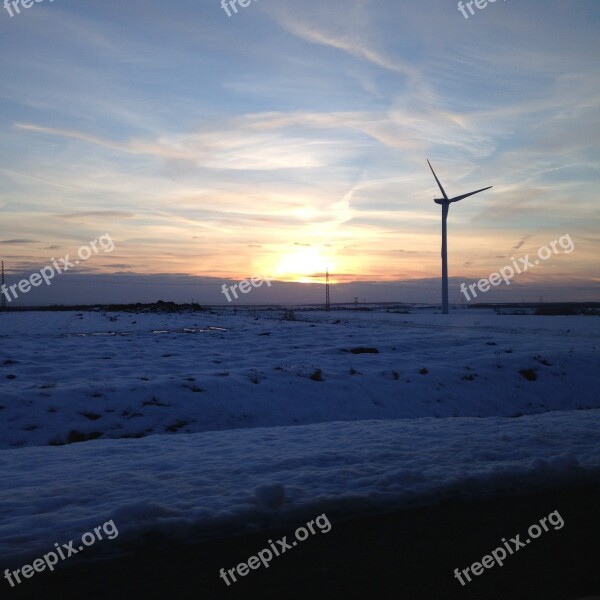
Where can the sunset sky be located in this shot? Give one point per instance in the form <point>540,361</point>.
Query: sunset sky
<point>294,135</point>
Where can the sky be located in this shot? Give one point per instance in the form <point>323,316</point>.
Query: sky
<point>292,136</point>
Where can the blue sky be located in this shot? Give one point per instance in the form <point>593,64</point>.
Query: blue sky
<point>295,134</point>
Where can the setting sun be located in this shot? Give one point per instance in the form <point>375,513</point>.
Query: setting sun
<point>303,265</point>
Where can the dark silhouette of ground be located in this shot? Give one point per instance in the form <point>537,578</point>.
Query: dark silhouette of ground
<point>407,554</point>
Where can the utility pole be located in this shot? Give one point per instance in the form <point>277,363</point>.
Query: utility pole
<point>327,300</point>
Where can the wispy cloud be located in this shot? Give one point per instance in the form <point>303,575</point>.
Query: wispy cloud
<point>17,241</point>
<point>108,214</point>
<point>207,146</point>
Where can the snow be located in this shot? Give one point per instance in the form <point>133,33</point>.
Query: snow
<point>114,376</point>
<point>217,425</point>
<point>184,486</point>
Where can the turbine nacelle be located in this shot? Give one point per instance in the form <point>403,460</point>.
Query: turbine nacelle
<point>457,198</point>
<point>445,199</point>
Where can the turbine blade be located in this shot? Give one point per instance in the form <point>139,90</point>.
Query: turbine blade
<point>438,181</point>
<point>470,194</point>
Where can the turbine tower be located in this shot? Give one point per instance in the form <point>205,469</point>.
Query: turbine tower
<point>445,202</point>
<point>3,301</point>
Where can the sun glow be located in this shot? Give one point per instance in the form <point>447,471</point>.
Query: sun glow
<point>305,265</point>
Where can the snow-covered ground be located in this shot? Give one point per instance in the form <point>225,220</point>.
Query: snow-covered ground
<point>287,418</point>
<point>71,376</point>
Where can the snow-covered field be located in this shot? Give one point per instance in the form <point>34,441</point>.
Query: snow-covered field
<point>68,376</point>
<point>249,420</point>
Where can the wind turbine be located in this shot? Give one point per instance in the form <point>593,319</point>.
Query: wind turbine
<point>445,202</point>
